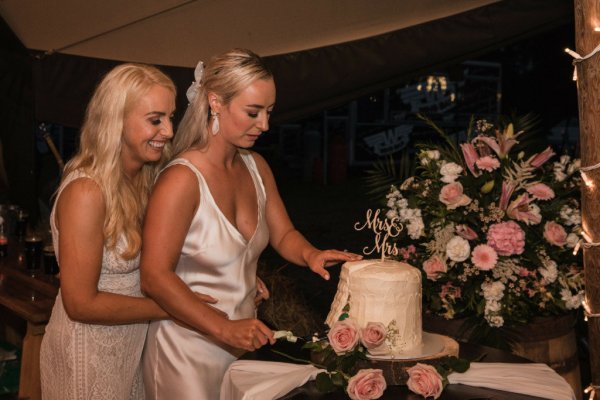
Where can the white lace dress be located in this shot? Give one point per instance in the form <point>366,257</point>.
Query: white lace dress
<point>85,361</point>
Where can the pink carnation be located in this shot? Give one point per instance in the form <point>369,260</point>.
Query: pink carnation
<point>433,266</point>
<point>541,191</point>
<point>424,379</point>
<point>487,163</point>
<point>484,257</point>
<point>372,337</point>
<point>555,234</point>
<point>343,336</point>
<point>367,384</point>
<point>507,238</point>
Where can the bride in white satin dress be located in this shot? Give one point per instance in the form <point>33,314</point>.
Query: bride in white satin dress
<point>212,212</point>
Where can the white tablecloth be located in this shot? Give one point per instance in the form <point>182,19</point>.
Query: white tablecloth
<point>264,380</point>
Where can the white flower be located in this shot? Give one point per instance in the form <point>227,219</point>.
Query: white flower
<point>458,249</point>
<point>571,301</point>
<point>493,290</point>
<point>574,167</point>
<point>416,228</point>
<point>495,320</point>
<point>535,211</point>
<point>549,271</point>
<point>391,214</point>
<point>450,172</point>
<point>572,239</point>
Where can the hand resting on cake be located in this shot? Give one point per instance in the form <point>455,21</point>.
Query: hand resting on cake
<point>318,260</point>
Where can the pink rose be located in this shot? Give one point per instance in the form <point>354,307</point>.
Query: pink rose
<point>424,379</point>
<point>465,232</point>
<point>433,266</point>
<point>541,191</point>
<point>507,238</point>
<point>343,336</point>
<point>487,163</point>
<point>366,384</point>
<point>452,196</point>
<point>484,257</point>
<point>372,337</point>
<point>555,234</point>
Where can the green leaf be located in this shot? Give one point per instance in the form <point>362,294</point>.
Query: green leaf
<point>324,383</point>
<point>338,379</point>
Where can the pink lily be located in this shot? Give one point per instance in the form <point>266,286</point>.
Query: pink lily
<point>471,156</point>
<point>503,143</point>
<point>520,210</point>
<point>507,191</point>
<point>539,159</point>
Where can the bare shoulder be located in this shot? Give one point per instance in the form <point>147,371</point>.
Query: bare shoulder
<point>82,201</point>
<point>82,192</point>
<point>261,164</point>
<point>176,184</point>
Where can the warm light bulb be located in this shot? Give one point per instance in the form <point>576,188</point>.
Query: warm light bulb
<point>597,29</point>
<point>589,183</point>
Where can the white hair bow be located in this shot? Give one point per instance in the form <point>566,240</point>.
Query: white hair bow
<point>192,91</point>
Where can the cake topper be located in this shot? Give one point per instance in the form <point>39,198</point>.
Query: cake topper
<point>383,229</point>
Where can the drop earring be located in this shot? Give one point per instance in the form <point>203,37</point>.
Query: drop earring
<point>215,125</point>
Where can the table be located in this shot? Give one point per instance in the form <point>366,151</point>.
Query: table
<point>28,296</point>
<point>451,392</point>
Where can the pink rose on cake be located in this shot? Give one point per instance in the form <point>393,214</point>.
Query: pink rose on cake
<point>343,336</point>
<point>373,337</point>
<point>367,384</point>
<point>424,379</point>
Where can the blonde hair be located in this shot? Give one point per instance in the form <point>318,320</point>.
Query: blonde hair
<point>100,149</point>
<point>225,75</point>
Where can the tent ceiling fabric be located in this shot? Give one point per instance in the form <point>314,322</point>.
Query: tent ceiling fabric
<point>309,79</point>
<point>181,32</point>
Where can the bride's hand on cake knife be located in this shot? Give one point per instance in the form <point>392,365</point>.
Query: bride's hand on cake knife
<point>318,260</point>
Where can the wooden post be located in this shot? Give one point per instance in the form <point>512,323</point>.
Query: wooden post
<point>587,17</point>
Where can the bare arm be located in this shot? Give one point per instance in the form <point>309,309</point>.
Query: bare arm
<point>80,218</point>
<point>286,239</point>
<point>171,208</point>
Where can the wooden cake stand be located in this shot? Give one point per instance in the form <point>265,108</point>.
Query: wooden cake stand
<point>394,370</point>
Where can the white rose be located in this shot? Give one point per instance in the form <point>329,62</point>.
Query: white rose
<point>458,249</point>
<point>450,172</point>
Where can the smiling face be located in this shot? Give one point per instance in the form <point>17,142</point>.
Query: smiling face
<point>246,117</point>
<point>147,127</point>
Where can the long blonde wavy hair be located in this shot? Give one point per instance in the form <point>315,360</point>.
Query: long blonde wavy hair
<point>225,75</point>
<point>100,150</point>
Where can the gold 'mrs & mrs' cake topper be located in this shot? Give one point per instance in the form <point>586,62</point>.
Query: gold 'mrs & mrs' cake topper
<point>383,228</point>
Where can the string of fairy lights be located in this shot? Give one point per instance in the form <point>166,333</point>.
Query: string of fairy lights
<point>586,242</point>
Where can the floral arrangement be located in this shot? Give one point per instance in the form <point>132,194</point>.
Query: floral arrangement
<point>344,353</point>
<point>492,229</point>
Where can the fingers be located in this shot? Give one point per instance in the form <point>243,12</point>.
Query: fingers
<point>262,289</point>
<point>328,258</point>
